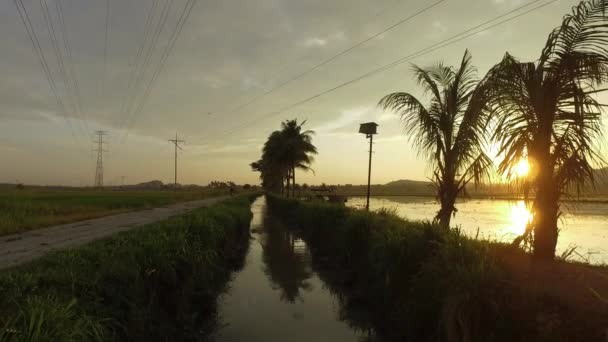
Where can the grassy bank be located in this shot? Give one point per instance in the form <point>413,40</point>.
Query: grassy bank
<point>414,281</point>
<point>30,209</point>
<point>155,283</point>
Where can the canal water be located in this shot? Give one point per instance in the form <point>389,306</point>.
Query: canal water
<point>583,225</point>
<point>278,296</point>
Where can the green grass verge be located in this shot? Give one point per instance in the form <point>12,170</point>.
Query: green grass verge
<point>155,283</point>
<point>30,209</point>
<point>417,282</point>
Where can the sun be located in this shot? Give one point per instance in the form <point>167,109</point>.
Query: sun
<point>522,168</point>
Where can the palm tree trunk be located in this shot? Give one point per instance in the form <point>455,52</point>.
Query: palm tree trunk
<point>287,176</point>
<point>546,213</point>
<point>447,208</point>
<point>448,192</point>
<point>293,177</point>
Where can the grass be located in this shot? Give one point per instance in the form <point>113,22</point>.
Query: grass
<point>31,209</point>
<point>415,281</point>
<point>155,283</point>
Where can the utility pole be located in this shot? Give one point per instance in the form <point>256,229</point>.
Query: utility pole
<point>369,129</point>
<point>100,150</point>
<point>176,142</point>
<point>369,170</point>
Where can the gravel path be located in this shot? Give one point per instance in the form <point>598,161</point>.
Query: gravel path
<point>19,248</point>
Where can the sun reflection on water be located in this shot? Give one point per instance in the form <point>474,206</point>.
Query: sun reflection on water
<point>520,217</point>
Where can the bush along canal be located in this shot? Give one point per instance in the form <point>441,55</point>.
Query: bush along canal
<point>156,283</point>
<point>397,280</point>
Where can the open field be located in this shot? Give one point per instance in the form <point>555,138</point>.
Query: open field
<point>30,209</point>
<point>22,247</point>
<point>155,283</point>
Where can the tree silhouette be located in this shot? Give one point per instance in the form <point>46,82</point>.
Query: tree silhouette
<point>298,148</point>
<point>285,151</point>
<point>546,111</point>
<point>449,131</point>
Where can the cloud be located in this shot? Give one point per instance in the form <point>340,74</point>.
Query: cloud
<point>346,118</point>
<point>438,29</point>
<point>392,138</point>
<point>210,81</point>
<point>317,42</point>
<point>250,82</point>
<point>508,2</point>
<point>385,117</point>
<point>230,149</point>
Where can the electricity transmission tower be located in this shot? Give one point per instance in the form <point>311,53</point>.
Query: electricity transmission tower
<point>176,143</point>
<point>100,150</point>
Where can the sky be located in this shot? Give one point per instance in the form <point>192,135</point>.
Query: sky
<point>229,53</point>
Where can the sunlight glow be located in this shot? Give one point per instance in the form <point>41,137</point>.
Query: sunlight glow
<point>520,217</point>
<point>522,168</point>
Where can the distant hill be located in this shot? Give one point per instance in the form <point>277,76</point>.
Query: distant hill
<point>155,184</point>
<point>398,187</point>
<point>425,188</point>
<point>408,182</point>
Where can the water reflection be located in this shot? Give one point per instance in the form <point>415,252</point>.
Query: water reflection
<point>520,217</point>
<point>583,224</point>
<point>278,296</point>
<point>286,260</point>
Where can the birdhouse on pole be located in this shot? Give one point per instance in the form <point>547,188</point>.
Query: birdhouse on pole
<point>368,128</point>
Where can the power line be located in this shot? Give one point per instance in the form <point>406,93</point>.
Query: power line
<point>279,70</point>
<point>134,67</point>
<point>75,87</point>
<point>25,19</point>
<point>48,19</point>
<point>336,56</point>
<point>449,41</point>
<point>163,59</point>
<point>105,47</point>
<point>143,67</point>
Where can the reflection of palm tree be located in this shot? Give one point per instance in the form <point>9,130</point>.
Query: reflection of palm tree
<point>286,265</point>
<point>449,131</point>
<point>547,112</point>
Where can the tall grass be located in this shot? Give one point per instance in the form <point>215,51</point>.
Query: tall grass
<point>155,283</point>
<point>415,281</point>
<point>29,209</point>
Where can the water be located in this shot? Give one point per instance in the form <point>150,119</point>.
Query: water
<point>278,296</point>
<point>583,225</point>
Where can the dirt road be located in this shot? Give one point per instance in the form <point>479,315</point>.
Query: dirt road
<point>19,248</point>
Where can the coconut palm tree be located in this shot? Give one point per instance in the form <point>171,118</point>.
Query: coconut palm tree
<point>546,111</point>
<point>449,131</point>
<point>299,148</point>
<point>285,151</point>
<point>275,161</point>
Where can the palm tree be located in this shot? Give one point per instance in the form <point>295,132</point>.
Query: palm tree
<point>546,111</point>
<point>285,151</point>
<point>449,132</point>
<point>299,148</point>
